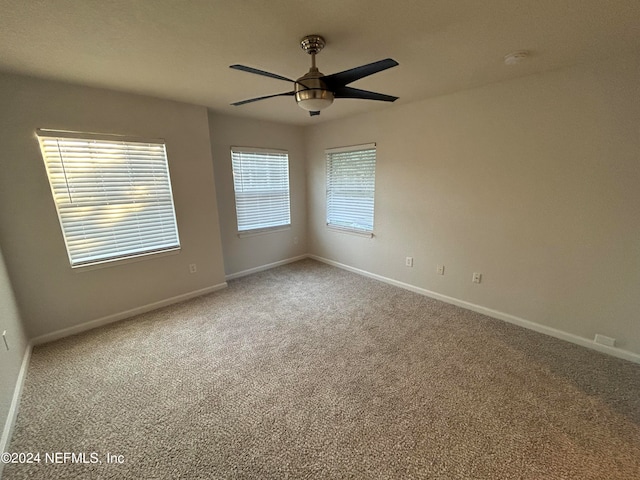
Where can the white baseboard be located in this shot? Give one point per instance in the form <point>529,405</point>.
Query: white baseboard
<point>15,404</point>
<point>553,332</point>
<point>65,332</point>
<point>261,268</point>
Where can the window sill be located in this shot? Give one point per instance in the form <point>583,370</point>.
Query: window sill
<point>350,231</point>
<point>263,231</point>
<point>123,261</point>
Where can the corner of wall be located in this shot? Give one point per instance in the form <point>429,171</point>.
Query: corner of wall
<point>14,357</point>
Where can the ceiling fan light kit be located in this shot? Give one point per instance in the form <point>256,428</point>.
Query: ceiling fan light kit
<point>315,91</point>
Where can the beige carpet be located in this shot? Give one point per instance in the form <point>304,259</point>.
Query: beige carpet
<point>308,371</point>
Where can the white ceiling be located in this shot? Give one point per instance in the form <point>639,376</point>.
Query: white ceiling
<point>182,49</point>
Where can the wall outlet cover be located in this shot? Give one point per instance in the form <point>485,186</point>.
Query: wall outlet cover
<point>604,340</point>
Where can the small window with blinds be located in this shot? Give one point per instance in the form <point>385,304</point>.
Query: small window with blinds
<point>113,196</point>
<point>261,184</point>
<point>351,175</point>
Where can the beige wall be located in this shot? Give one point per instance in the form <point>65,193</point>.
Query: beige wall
<point>241,254</point>
<point>11,360</point>
<point>534,182</point>
<point>51,295</point>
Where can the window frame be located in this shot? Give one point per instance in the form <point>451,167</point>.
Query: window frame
<point>338,224</point>
<point>137,212</point>
<point>242,216</point>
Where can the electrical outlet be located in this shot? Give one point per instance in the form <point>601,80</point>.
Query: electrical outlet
<point>604,340</point>
<point>295,240</point>
<point>193,268</point>
<point>4,337</point>
<point>408,261</point>
<point>477,277</point>
<point>440,270</point>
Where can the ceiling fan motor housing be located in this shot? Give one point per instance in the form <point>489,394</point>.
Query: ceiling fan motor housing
<point>311,92</point>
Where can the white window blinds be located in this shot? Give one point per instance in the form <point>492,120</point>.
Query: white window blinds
<point>261,184</point>
<point>113,197</point>
<point>351,174</point>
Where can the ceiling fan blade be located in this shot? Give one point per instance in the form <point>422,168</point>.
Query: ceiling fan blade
<point>313,114</point>
<point>286,94</point>
<point>340,79</point>
<point>244,68</point>
<point>349,92</point>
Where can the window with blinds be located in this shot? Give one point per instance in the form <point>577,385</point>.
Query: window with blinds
<point>261,184</point>
<point>351,175</point>
<point>113,196</point>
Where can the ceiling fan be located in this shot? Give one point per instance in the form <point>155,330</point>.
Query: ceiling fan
<point>315,91</point>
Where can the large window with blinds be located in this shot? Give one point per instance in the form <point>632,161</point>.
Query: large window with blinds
<point>261,184</point>
<point>113,195</point>
<point>351,176</point>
